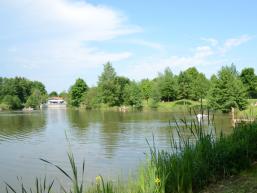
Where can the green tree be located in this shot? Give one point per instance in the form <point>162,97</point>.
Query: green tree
<point>108,87</point>
<point>35,99</point>
<point>184,82</point>
<point>192,85</point>
<point>155,95</point>
<point>64,95</point>
<point>36,85</point>
<point>227,91</point>
<point>120,84</point>
<point>133,96</point>
<point>12,102</point>
<point>91,99</point>
<point>146,88</point>
<point>53,94</point>
<point>167,85</point>
<point>249,80</point>
<point>77,91</point>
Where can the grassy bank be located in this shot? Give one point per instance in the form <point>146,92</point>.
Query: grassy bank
<point>242,183</point>
<point>190,165</point>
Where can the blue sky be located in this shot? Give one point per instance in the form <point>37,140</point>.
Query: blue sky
<point>57,41</point>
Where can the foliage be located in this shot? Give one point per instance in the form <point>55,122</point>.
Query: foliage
<point>133,96</point>
<point>249,80</point>
<point>77,91</point>
<point>35,99</point>
<point>107,86</point>
<point>91,99</point>
<point>14,92</point>
<point>120,84</point>
<point>192,85</point>
<point>227,91</point>
<point>12,102</point>
<point>53,94</point>
<point>36,85</point>
<point>64,95</point>
<point>146,88</point>
<point>155,95</point>
<point>167,85</point>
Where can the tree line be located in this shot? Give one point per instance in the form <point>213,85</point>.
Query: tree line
<point>19,92</point>
<point>228,88</point>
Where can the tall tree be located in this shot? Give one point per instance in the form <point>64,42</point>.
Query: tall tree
<point>249,80</point>
<point>133,96</point>
<point>227,90</point>
<point>146,88</point>
<point>192,84</point>
<point>77,91</point>
<point>107,86</point>
<point>35,99</point>
<point>120,84</point>
<point>184,84</point>
<point>167,85</point>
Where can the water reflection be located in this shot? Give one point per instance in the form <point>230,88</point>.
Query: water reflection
<point>19,125</point>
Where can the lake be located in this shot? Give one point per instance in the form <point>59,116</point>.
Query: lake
<point>111,143</point>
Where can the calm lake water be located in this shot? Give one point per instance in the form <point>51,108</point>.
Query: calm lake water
<point>111,143</point>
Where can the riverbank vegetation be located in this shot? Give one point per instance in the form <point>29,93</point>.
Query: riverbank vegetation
<point>191,164</point>
<point>18,92</point>
<point>228,88</point>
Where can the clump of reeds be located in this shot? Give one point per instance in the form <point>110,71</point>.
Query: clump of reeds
<point>203,157</point>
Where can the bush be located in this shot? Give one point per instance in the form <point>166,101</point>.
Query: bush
<point>12,102</point>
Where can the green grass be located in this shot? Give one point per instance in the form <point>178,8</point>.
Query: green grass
<point>245,182</point>
<point>250,111</point>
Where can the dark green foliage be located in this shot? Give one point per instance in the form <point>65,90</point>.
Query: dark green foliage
<point>133,95</point>
<point>77,91</point>
<point>91,99</point>
<point>184,82</point>
<point>107,84</point>
<point>227,91</point>
<point>36,85</point>
<point>35,99</point>
<point>120,84</point>
<point>167,85</point>
<point>249,80</point>
<point>14,92</point>
<point>146,87</point>
<point>64,95</point>
<point>53,94</point>
<point>13,102</point>
<point>155,95</point>
<point>192,85</point>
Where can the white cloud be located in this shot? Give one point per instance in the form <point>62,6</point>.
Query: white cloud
<point>234,42</point>
<point>66,18</point>
<point>211,41</point>
<point>51,33</point>
<point>151,66</point>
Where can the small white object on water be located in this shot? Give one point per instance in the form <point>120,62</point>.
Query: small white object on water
<point>200,117</point>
